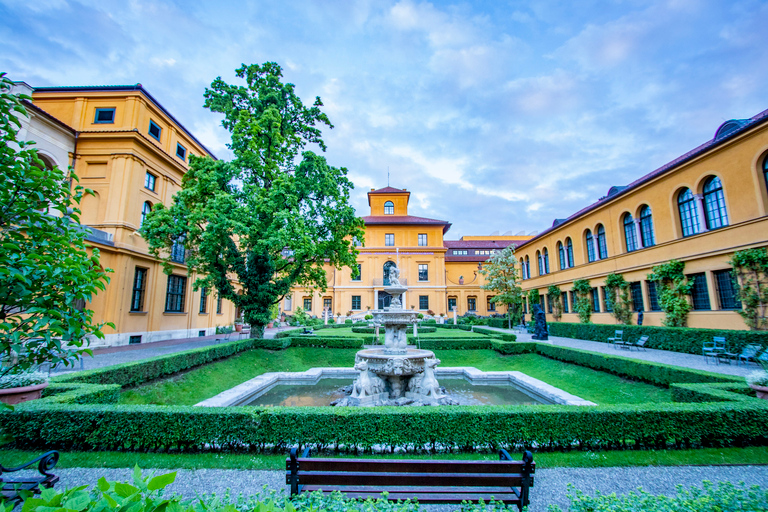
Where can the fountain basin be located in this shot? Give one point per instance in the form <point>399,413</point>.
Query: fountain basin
<point>383,361</point>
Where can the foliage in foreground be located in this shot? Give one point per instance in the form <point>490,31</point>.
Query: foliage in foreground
<point>721,497</point>
<point>47,275</point>
<point>500,272</point>
<point>146,494</point>
<point>750,269</point>
<point>672,289</point>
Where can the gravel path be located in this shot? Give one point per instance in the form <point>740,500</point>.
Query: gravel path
<point>550,484</point>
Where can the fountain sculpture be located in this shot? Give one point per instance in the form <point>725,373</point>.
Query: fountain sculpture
<point>395,374</point>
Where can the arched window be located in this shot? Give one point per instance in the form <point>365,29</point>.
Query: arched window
<point>561,256</point>
<point>389,208</point>
<point>527,268</point>
<point>646,227</point>
<point>569,248</point>
<point>387,266</point>
<point>630,233</point>
<point>765,170</point>
<point>541,263</point>
<point>546,261</point>
<point>602,246</point>
<point>714,204</point>
<point>522,268</point>
<point>590,247</point>
<point>689,216</point>
<point>145,211</point>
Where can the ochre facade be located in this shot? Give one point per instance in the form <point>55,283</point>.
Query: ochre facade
<point>439,273</point>
<point>132,153</point>
<point>723,211</point>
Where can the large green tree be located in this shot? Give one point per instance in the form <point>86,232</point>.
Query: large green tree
<point>501,277</point>
<point>47,276</point>
<point>271,217</point>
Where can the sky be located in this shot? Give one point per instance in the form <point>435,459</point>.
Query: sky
<point>497,116</point>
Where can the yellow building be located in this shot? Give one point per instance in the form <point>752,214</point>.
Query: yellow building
<point>439,273</point>
<point>132,153</point>
<point>700,208</point>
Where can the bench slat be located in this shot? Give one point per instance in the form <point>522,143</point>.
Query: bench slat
<point>409,466</point>
<point>336,478</point>
<point>426,497</point>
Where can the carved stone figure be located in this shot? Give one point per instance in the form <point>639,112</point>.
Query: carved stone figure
<point>394,276</point>
<point>426,384</point>
<point>367,383</point>
<point>541,323</point>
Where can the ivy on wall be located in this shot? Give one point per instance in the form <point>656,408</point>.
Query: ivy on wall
<point>582,289</point>
<point>618,297</point>
<point>750,276</point>
<point>672,289</point>
<point>554,295</point>
<point>533,298</point>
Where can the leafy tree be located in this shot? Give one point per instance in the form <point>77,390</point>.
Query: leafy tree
<point>500,272</point>
<point>582,289</point>
<point>618,297</point>
<point>555,295</point>
<point>533,298</point>
<point>269,219</point>
<point>672,291</point>
<point>750,277</point>
<point>47,275</point>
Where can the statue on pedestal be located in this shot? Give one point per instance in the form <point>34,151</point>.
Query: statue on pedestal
<point>541,323</point>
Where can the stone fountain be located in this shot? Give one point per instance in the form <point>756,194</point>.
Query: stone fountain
<point>395,374</point>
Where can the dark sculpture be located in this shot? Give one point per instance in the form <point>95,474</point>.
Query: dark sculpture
<point>541,324</point>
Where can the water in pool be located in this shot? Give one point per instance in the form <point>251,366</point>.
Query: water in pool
<point>328,390</point>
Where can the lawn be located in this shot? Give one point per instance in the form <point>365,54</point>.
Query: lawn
<point>204,382</point>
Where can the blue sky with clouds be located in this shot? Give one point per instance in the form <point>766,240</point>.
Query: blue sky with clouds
<point>496,115</point>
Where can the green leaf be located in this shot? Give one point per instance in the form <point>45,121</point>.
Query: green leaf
<point>161,481</point>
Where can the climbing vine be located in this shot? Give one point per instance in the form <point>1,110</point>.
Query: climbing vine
<point>554,295</point>
<point>672,290</point>
<point>582,289</point>
<point>750,278</point>
<point>618,297</point>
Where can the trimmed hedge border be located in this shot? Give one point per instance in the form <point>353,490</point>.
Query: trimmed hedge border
<point>76,414</point>
<point>490,332</point>
<point>372,330</point>
<point>677,339</point>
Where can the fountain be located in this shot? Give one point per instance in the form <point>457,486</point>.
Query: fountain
<point>395,374</point>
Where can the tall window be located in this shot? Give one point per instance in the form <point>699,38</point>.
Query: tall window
<point>423,272</point>
<point>178,252</point>
<point>356,303</point>
<point>307,303</point>
<point>765,170</point>
<point>590,246</point>
<point>546,260</point>
<point>689,217</point>
<point>714,204</point>
<point>608,308</point>
<point>646,227</point>
<point>327,303</point>
<point>630,233</point>
<point>602,245</point>
<point>422,239</point>
<point>472,304</point>
<point>174,297</point>
<point>561,256</point>
<point>491,305</point>
<point>653,297</point>
<point>423,301</point>
<point>522,268</point>
<point>145,209</point>
<point>700,292</point>
<point>451,303</point>
<point>357,275</point>
<point>389,208</point>
<point>573,301</point>
<point>139,285</point>
<point>204,300</point>
<point>569,249</point>
<point>220,305</point>
<point>595,300</point>
<point>527,268</point>
<point>549,303</point>
<point>389,239</point>
<point>541,263</point>
<point>637,296</point>
<point>149,181</point>
<point>565,302</point>
<point>725,290</point>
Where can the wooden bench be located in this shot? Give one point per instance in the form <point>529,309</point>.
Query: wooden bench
<point>13,490</point>
<point>429,481</point>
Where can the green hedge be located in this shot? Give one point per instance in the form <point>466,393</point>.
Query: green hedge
<point>328,341</point>
<point>501,323</point>
<point>469,343</point>
<point>372,330</point>
<point>677,339</point>
<point>132,374</point>
<point>512,348</point>
<point>292,332</point>
<point>503,335</point>
<point>461,327</point>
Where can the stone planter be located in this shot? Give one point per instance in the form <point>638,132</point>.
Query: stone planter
<point>239,327</point>
<point>12,396</point>
<point>762,391</point>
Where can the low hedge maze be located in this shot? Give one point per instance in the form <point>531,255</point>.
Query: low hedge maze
<point>80,411</point>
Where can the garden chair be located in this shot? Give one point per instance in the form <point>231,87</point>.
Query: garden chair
<point>639,344</point>
<point>711,349</point>
<point>749,353</point>
<point>618,339</point>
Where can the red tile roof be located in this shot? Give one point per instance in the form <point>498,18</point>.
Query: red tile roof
<point>405,219</point>
<point>480,244</point>
<point>389,190</point>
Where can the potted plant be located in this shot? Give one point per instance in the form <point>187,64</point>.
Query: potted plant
<point>758,380</point>
<point>16,388</point>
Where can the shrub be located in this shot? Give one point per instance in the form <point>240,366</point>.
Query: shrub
<point>672,290</point>
<point>619,301</point>
<point>483,342</point>
<point>583,307</point>
<point>677,339</point>
<point>750,270</point>
<point>457,326</point>
<point>331,321</point>
<point>509,347</point>
<point>371,330</point>
<point>348,321</point>
<point>430,321</point>
<point>497,334</point>
<point>289,333</point>
<point>23,379</point>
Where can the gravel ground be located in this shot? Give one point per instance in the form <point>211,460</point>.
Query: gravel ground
<point>550,484</point>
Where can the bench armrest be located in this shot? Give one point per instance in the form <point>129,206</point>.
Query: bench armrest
<point>46,462</point>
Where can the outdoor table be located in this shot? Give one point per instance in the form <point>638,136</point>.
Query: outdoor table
<point>726,357</point>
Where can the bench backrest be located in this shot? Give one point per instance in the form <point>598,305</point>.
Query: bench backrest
<point>618,334</point>
<point>719,342</point>
<point>750,350</point>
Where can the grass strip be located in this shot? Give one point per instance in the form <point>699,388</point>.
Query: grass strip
<point>575,459</point>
